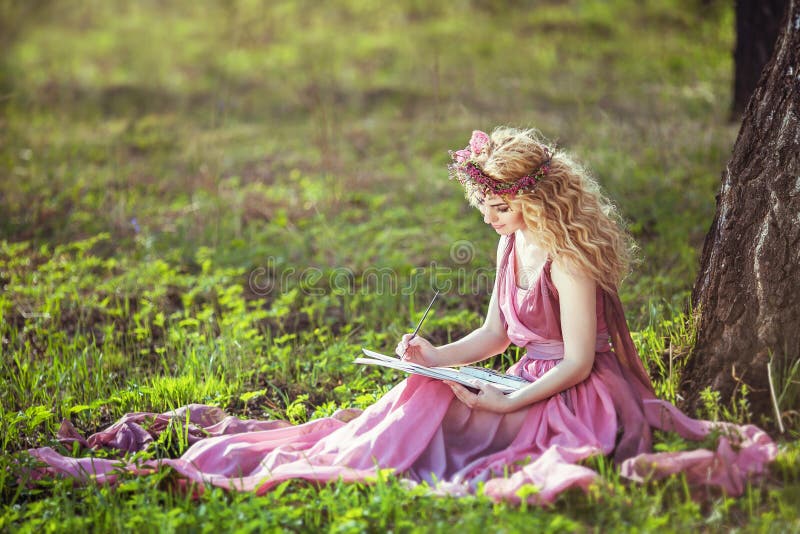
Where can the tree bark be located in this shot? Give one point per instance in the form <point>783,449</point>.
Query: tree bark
<point>757,25</point>
<point>747,294</point>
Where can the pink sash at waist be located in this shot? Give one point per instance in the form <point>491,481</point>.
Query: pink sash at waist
<point>552,349</point>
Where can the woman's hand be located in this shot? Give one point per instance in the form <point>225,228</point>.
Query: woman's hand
<point>418,350</point>
<point>488,397</point>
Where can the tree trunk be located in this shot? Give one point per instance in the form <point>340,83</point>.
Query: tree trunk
<point>758,23</point>
<point>747,294</point>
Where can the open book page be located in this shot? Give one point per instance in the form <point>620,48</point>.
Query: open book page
<point>506,385</point>
<point>495,377</point>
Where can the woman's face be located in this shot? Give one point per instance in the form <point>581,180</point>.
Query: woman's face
<point>499,214</point>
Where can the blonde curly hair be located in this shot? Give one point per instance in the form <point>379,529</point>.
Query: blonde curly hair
<point>576,224</point>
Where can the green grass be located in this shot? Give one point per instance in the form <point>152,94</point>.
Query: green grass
<point>201,203</point>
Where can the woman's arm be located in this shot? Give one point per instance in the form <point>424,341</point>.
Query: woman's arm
<point>577,298</point>
<point>483,342</point>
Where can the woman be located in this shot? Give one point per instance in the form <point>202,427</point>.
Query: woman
<point>555,226</point>
<point>560,256</point>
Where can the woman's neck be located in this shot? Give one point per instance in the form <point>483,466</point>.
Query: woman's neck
<point>530,257</point>
<point>526,239</point>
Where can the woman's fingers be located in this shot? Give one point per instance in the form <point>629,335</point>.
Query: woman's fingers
<point>470,399</point>
<point>460,395</point>
<point>416,341</point>
<point>407,352</point>
<point>410,347</point>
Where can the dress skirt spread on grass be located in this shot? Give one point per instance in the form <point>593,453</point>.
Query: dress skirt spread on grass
<point>424,433</point>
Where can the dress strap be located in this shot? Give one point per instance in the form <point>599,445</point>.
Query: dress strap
<point>623,345</point>
<point>505,246</point>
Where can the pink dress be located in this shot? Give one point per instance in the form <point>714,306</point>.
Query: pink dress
<point>422,432</point>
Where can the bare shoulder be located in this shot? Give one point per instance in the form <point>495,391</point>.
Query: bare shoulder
<point>577,295</point>
<point>569,279</point>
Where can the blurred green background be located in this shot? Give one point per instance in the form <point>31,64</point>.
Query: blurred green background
<point>318,132</point>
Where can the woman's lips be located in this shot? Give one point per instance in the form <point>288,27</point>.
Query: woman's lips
<point>496,227</point>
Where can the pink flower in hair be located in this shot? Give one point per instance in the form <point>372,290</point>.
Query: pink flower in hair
<point>478,141</point>
<point>469,173</point>
<point>462,156</point>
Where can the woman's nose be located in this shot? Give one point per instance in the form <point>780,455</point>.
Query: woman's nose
<point>488,216</point>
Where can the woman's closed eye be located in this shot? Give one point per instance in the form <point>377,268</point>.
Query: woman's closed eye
<point>502,208</point>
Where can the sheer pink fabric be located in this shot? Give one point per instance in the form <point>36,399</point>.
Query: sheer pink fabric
<point>422,432</point>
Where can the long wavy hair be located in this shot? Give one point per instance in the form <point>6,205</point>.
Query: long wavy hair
<point>576,224</point>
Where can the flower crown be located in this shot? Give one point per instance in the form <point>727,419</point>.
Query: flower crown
<point>470,175</point>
